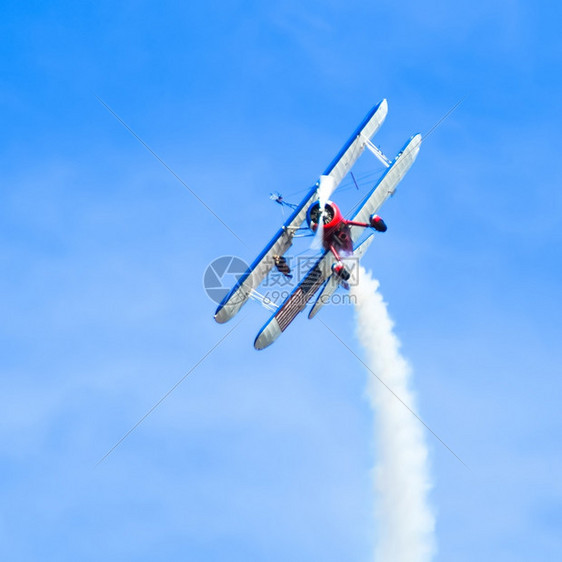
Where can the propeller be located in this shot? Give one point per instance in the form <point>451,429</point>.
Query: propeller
<point>325,189</point>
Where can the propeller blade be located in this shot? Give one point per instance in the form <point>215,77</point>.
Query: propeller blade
<point>325,189</point>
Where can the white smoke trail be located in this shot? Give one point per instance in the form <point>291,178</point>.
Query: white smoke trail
<point>406,524</point>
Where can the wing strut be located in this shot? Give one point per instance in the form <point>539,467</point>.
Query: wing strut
<point>378,153</point>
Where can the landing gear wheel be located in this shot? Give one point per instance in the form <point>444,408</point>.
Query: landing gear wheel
<point>340,270</point>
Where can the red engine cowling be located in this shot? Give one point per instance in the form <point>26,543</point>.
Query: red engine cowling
<point>332,216</point>
<point>377,223</point>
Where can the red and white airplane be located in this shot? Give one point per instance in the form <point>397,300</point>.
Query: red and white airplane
<point>339,237</point>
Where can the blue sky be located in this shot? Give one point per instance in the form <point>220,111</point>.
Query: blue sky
<point>267,456</point>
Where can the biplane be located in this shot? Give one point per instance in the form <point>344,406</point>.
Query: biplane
<point>340,238</point>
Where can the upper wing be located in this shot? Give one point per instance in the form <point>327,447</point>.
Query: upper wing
<point>386,186</point>
<point>283,240</point>
<point>356,143</point>
<point>257,272</point>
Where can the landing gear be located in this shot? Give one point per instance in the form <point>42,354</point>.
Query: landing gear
<point>340,270</point>
<point>374,222</point>
<point>377,223</point>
